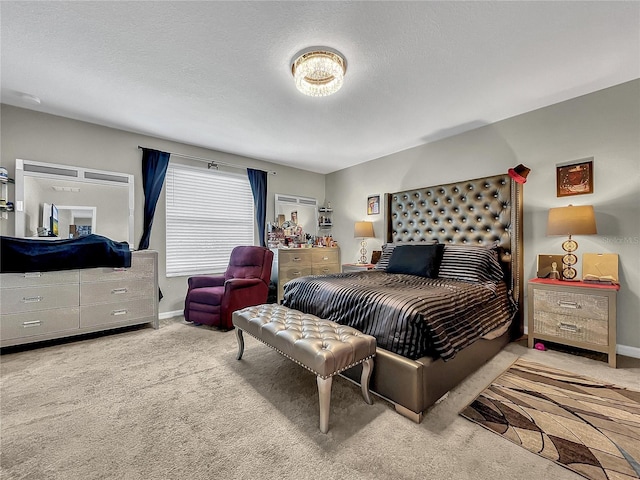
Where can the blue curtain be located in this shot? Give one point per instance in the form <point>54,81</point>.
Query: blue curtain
<point>154,169</point>
<point>258,181</point>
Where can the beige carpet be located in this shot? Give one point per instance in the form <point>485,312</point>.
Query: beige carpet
<point>586,425</point>
<point>174,403</point>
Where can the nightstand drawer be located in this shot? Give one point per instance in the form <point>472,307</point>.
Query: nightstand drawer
<point>568,327</point>
<point>588,306</point>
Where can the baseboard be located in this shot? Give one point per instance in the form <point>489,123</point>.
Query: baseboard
<point>628,351</point>
<point>165,315</point>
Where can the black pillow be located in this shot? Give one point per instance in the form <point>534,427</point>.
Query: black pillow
<point>421,260</point>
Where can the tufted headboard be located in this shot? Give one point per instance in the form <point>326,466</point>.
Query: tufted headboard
<point>482,211</point>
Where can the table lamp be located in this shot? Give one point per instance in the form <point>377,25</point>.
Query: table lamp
<point>363,230</point>
<point>578,220</point>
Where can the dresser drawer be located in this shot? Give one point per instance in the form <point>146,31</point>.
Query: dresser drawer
<point>570,327</point>
<point>321,256</point>
<point>141,267</point>
<point>115,291</point>
<point>291,258</point>
<point>30,299</point>
<point>290,273</point>
<point>115,313</point>
<point>325,269</point>
<point>33,279</point>
<point>21,325</point>
<point>572,304</point>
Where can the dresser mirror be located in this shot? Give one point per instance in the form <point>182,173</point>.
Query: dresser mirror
<point>301,211</point>
<point>75,201</point>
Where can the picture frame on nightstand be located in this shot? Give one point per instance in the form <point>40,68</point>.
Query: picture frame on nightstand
<point>545,267</point>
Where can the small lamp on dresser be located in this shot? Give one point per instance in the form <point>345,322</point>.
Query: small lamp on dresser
<point>571,220</point>
<point>363,230</point>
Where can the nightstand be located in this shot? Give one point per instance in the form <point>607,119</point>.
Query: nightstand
<point>357,267</point>
<point>577,314</point>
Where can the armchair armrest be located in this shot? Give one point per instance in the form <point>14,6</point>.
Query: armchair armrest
<point>238,283</point>
<point>205,281</point>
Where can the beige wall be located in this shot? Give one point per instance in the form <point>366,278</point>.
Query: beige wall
<point>604,125</point>
<point>36,136</point>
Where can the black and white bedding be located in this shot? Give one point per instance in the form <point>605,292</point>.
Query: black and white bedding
<point>410,315</point>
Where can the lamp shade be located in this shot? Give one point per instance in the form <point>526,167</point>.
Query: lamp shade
<point>363,230</point>
<point>580,220</point>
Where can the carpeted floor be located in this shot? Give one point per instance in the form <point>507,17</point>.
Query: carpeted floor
<point>174,403</point>
<point>586,425</point>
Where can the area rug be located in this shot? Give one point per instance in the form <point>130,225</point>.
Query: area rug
<point>587,426</point>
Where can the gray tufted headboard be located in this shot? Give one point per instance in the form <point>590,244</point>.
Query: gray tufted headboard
<point>480,211</point>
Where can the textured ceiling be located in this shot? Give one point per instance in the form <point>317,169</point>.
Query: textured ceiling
<point>216,74</point>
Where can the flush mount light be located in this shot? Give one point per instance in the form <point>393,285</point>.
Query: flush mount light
<point>318,71</point>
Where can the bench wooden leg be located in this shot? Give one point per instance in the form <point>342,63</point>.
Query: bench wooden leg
<point>367,368</point>
<point>240,339</point>
<point>324,393</point>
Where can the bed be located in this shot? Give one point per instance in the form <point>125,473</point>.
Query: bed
<point>430,337</point>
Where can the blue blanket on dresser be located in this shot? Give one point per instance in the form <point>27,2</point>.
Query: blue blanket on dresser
<point>36,255</point>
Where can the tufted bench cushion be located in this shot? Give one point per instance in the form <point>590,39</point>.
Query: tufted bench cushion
<point>326,348</point>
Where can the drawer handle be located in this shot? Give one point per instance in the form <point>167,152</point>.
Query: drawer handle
<point>568,327</point>
<point>325,258</point>
<point>567,304</point>
<point>326,270</point>
<point>32,323</point>
<point>32,299</point>
<point>296,259</point>
<point>117,313</point>
<point>32,275</point>
<point>119,291</point>
<point>119,269</point>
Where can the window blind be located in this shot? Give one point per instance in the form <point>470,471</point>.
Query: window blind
<point>208,213</point>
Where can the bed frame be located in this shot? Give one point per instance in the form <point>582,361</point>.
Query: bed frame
<point>482,211</point>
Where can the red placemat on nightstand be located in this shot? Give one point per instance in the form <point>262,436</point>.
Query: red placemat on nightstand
<point>564,283</point>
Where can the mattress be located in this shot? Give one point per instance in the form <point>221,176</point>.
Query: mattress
<point>408,315</point>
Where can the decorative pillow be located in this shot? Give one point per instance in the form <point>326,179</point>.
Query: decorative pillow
<point>471,263</point>
<point>421,260</point>
<point>387,250</point>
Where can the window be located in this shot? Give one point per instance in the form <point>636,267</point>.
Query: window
<point>208,214</point>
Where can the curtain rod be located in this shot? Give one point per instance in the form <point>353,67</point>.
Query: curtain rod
<point>211,163</point>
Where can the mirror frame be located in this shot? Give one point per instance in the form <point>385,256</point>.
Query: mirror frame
<point>293,200</point>
<point>31,168</point>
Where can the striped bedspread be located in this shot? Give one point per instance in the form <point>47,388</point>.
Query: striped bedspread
<point>409,315</point>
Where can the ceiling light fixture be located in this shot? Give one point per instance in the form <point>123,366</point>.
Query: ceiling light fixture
<point>318,71</point>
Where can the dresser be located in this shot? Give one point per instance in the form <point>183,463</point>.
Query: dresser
<point>577,314</point>
<point>299,262</point>
<point>38,306</point>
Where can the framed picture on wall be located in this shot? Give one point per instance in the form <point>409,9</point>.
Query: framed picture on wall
<point>373,204</point>
<point>575,178</point>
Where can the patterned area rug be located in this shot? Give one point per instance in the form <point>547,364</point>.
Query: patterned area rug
<point>582,424</point>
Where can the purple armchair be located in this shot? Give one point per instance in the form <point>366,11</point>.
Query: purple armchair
<point>211,300</point>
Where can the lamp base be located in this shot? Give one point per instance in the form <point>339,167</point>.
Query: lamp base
<point>363,252</point>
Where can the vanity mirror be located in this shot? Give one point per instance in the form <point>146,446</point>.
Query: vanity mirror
<point>302,211</point>
<point>84,201</point>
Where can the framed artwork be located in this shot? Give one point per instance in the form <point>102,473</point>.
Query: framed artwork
<point>373,204</point>
<point>549,266</point>
<point>575,179</point>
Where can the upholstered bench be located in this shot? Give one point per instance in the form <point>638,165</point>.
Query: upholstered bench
<point>321,346</point>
